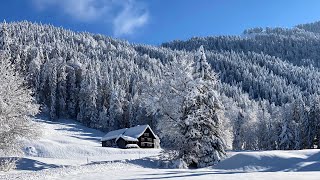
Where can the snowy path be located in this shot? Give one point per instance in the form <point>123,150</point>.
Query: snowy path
<point>70,151</point>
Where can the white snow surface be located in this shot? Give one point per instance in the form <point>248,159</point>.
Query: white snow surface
<point>68,150</point>
<point>132,146</point>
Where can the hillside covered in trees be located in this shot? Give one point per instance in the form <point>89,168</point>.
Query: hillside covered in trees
<point>267,89</point>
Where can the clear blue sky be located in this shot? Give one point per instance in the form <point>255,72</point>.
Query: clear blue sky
<point>156,21</point>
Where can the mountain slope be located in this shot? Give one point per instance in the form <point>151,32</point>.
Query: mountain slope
<point>269,79</point>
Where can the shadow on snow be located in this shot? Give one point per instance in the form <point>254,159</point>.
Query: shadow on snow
<point>273,163</point>
<point>83,132</point>
<point>33,165</point>
<point>239,163</point>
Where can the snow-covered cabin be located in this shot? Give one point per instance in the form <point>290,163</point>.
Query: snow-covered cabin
<point>139,136</point>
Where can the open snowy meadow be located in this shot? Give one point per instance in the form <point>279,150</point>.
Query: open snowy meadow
<point>68,150</point>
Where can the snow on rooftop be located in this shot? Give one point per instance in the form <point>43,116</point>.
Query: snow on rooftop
<point>127,138</point>
<point>136,131</point>
<point>113,134</point>
<point>129,133</point>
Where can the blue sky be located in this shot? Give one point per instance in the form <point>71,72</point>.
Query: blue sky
<point>156,21</point>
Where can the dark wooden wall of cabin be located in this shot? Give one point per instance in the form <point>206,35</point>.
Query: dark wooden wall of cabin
<point>121,143</point>
<point>107,143</point>
<point>146,140</point>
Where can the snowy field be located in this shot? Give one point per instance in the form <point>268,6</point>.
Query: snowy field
<point>70,151</point>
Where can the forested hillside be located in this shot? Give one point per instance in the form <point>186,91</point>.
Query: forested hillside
<point>268,85</point>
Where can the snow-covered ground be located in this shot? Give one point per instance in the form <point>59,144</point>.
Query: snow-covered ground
<point>68,150</point>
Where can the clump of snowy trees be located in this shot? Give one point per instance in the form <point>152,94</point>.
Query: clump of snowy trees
<point>91,78</point>
<point>269,84</point>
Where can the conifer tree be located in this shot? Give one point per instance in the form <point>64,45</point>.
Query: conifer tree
<point>204,145</point>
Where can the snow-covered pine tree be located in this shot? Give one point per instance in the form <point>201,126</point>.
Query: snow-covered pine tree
<point>237,143</point>
<point>186,103</point>
<point>53,90</point>
<point>115,110</point>
<point>4,37</point>
<point>103,119</point>
<point>276,117</point>
<point>314,116</point>
<point>298,115</point>
<point>307,129</point>
<point>16,108</point>
<point>203,144</point>
<point>34,68</point>
<point>286,136</point>
<point>249,128</point>
<point>72,92</point>
<point>88,98</point>
<point>266,140</point>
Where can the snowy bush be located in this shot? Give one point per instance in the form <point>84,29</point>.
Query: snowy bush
<point>7,164</point>
<point>171,159</point>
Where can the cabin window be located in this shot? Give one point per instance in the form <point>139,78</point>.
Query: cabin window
<point>149,145</point>
<point>146,134</point>
<point>149,139</point>
<point>142,144</point>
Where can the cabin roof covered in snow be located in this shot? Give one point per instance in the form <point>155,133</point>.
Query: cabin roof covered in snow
<point>129,134</point>
<point>127,138</point>
<point>113,134</point>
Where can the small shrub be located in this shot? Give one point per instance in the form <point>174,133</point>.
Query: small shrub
<point>7,164</point>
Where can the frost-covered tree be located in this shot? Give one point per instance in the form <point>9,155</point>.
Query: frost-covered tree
<point>72,91</point>
<point>166,99</point>
<point>189,109</point>
<point>17,106</point>
<point>52,79</point>
<point>203,145</point>
<point>88,97</point>
<point>314,127</point>
<point>4,37</point>
<point>298,115</point>
<point>286,136</point>
<point>238,133</point>
<point>265,129</point>
<point>115,109</point>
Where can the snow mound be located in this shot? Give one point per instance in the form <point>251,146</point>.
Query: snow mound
<point>132,146</point>
<point>31,151</point>
<point>272,161</point>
